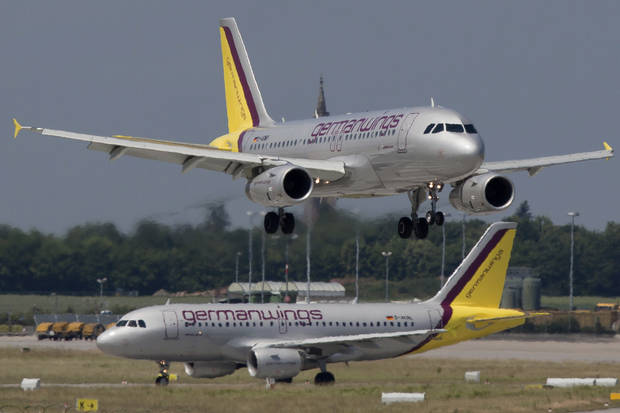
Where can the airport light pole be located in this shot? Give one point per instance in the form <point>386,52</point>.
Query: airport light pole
<point>572,248</point>
<point>262,253</point>
<point>250,258</point>
<point>387,254</point>
<point>237,255</point>
<point>287,241</point>
<point>442,278</point>
<point>357,258</point>
<point>101,281</point>
<point>308,265</point>
<point>463,242</point>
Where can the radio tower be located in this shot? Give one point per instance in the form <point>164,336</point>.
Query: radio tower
<point>312,206</point>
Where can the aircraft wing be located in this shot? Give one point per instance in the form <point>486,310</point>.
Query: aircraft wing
<point>190,155</point>
<point>333,344</point>
<point>534,165</point>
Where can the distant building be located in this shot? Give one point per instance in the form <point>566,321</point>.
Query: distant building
<point>276,291</point>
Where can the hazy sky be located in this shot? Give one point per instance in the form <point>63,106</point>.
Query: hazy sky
<point>537,78</point>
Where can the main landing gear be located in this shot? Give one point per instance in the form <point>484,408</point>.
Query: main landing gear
<point>419,225</point>
<point>164,378</point>
<point>283,220</point>
<point>324,378</point>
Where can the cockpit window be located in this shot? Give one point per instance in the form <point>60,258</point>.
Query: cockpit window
<point>121,323</point>
<point>141,323</point>
<point>470,128</point>
<point>428,128</point>
<point>438,128</point>
<point>454,127</point>
<point>132,323</point>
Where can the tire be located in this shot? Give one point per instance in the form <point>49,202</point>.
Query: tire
<point>421,228</point>
<point>324,379</point>
<point>439,218</point>
<point>161,381</point>
<point>286,380</point>
<point>430,217</point>
<point>271,223</point>
<point>405,227</point>
<point>288,223</point>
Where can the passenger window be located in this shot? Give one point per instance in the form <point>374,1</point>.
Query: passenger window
<point>429,128</point>
<point>132,323</point>
<point>454,127</point>
<point>142,324</point>
<point>438,128</point>
<point>470,128</point>
<point>121,323</point>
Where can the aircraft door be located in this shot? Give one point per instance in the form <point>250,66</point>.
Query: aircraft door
<point>282,325</point>
<point>171,324</point>
<point>434,319</point>
<point>405,127</point>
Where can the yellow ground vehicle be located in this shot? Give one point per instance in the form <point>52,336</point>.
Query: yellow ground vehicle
<point>43,330</point>
<point>73,330</point>
<point>58,330</point>
<point>92,330</point>
<point>606,307</point>
<point>110,325</point>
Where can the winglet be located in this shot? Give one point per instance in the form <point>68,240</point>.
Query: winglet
<point>18,127</point>
<point>608,148</point>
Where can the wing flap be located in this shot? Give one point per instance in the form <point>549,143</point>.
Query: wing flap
<point>535,165</point>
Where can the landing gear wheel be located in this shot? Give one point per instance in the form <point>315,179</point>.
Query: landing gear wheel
<point>439,218</point>
<point>286,380</point>
<point>324,378</point>
<point>287,223</point>
<point>272,222</point>
<point>421,228</point>
<point>430,217</point>
<point>405,227</point>
<point>161,381</point>
<point>163,378</point>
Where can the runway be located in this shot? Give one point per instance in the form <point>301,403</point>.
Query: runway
<point>534,348</point>
<point>546,348</point>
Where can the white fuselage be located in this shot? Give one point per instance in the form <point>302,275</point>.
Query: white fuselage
<point>227,332</point>
<point>388,151</point>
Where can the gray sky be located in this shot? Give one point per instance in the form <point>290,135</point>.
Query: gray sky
<point>537,78</point>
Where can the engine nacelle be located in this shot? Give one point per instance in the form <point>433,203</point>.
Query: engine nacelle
<point>280,186</point>
<point>276,363</point>
<point>209,369</point>
<point>483,194</point>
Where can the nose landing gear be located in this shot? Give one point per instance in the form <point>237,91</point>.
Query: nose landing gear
<point>282,220</point>
<point>164,377</point>
<point>418,225</point>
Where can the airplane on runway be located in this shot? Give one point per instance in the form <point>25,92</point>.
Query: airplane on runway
<point>413,150</point>
<point>277,341</point>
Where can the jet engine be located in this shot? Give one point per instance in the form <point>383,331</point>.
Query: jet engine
<point>276,363</point>
<point>483,194</point>
<point>209,369</point>
<point>280,186</point>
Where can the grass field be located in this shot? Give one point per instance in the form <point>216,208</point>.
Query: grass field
<point>358,387</point>
<point>24,304</point>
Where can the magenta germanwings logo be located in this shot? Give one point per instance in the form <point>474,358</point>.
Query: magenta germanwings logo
<point>251,315</point>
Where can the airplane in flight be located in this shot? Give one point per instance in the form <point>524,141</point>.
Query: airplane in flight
<point>277,341</point>
<point>413,150</point>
